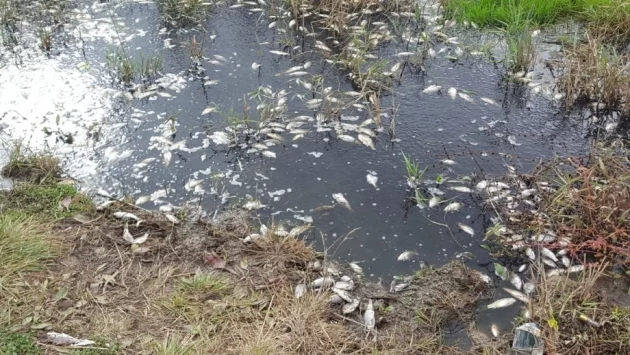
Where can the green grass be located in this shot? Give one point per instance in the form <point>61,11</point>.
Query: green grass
<point>24,245</point>
<point>17,344</point>
<point>44,201</point>
<point>497,13</point>
<point>202,282</point>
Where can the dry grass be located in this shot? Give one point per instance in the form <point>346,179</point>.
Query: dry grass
<point>37,168</point>
<point>594,73</point>
<point>586,202</point>
<point>562,301</point>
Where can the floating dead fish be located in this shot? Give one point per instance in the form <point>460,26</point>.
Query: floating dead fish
<point>367,141</point>
<point>253,205</point>
<point>485,278</point>
<point>372,180</point>
<point>467,229</point>
<point>566,262</point>
<point>516,281</point>
<point>481,185</point>
<point>279,53</point>
<point>518,295</point>
<point>256,66</point>
<point>452,207</point>
<point>350,307</point>
<point>463,189</point>
<point>465,97</point>
<point>142,200</point>
<point>341,200</point>
<point>502,303</point>
<point>126,215</point>
<point>452,92</point>
<point>208,110</point>
<point>489,101</point>
<point>300,290</point>
<point>494,329</point>
<point>448,162</point>
<point>323,282</point>
<point>347,138</point>
<point>432,89</point>
<point>406,255</point>
<point>512,140</point>
<point>434,201</point>
<point>369,319</point>
<point>522,268</point>
<point>268,154</point>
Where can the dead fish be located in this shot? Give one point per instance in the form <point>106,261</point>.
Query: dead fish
<point>566,261</point>
<point>495,330</point>
<point>555,272</point>
<point>345,295</point>
<point>406,255</point>
<point>356,268</point>
<point>208,110</point>
<point>369,320</point>
<point>104,205</point>
<point>530,254</point>
<point>172,218</point>
<point>335,299</point>
<point>344,285</point>
<point>467,229</point>
<point>481,185</point>
<point>519,296</point>
<point>529,288</point>
<point>323,282</point>
<point>463,189</point>
<point>350,307</point>
<point>400,287</point>
<point>256,66</point>
<point>575,268</point>
<point>126,215</point>
<point>341,200</point>
<point>489,101</point>
<point>516,281</point>
<point>300,290</point>
<point>347,138</point>
<point>372,180</point>
<point>253,205</point>
<point>452,92</point>
<point>452,207</point>
<point>252,237</point>
<point>549,263</point>
<point>465,97</point>
<point>434,201</point>
<point>548,254</point>
<point>432,89</point>
<point>522,268</point>
<point>485,278</point>
<point>504,302</point>
<point>448,162</point>
<point>296,231</point>
<point>367,141</point>
<point>278,52</point>
<point>268,154</point>
<point>142,200</point>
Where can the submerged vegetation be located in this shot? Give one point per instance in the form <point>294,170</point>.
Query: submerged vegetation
<point>180,13</point>
<point>126,70</point>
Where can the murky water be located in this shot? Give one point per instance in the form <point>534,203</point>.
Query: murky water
<point>44,100</point>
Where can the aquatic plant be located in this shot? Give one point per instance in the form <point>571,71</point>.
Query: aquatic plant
<point>597,74</point>
<point>126,70</point>
<point>45,39</point>
<point>180,13</point>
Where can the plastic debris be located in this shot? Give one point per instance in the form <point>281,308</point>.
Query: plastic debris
<point>527,340</point>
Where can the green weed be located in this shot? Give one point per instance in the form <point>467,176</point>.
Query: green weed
<point>45,201</point>
<point>180,13</point>
<point>17,344</point>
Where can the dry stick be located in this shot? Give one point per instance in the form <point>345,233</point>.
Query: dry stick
<point>262,327</point>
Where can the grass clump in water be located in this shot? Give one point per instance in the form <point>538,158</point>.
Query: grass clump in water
<point>37,168</point>
<point>126,70</point>
<point>181,13</point>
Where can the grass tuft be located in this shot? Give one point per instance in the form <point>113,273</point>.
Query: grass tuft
<point>37,168</point>
<point>24,245</point>
<point>17,344</point>
<point>181,13</point>
<point>45,201</point>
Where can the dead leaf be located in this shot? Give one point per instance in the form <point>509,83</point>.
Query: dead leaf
<point>84,219</point>
<point>141,250</point>
<point>215,261</point>
<point>244,264</point>
<point>65,203</point>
